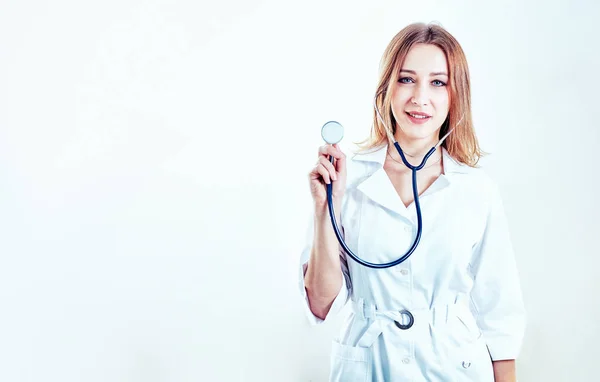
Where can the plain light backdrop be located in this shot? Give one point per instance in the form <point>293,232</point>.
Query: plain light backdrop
<point>153,177</point>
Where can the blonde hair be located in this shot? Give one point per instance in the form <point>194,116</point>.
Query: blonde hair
<point>462,143</point>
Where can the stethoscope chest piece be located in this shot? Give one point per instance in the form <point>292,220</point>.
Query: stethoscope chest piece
<point>332,132</point>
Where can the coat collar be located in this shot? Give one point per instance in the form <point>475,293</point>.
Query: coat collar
<point>379,188</point>
<point>377,155</point>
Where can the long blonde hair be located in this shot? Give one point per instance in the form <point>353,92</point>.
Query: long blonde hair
<point>462,143</point>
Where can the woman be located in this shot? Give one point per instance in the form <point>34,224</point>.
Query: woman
<point>453,311</point>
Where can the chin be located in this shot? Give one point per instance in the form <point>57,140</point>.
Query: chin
<point>419,132</point>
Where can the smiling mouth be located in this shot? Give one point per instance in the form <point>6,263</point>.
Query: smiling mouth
<point>418,116</point>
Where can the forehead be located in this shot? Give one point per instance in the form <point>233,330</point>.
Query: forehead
<point>425,59</point>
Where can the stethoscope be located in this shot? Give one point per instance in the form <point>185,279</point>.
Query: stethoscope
<point>333,132</point>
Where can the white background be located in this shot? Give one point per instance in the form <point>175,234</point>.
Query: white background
<point>154,197</point>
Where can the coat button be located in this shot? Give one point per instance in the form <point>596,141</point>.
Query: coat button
<point>466,364</point>
<point>406,361</point>
<point>408,228</point>
<point>404,271</point>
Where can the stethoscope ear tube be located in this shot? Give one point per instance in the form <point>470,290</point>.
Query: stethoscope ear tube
<point>417,206</point>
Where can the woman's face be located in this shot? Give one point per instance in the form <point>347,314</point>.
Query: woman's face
<point>420,97</point>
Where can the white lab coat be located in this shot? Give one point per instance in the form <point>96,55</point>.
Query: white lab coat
<point>461,283</point>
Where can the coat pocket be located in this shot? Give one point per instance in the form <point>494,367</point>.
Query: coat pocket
<point>468,324</point>
<point>468,354</point>
<point>472,363</point>
<point>350,363</point>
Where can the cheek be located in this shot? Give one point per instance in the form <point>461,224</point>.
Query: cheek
<point>399,103</point>
<point>442,103</point>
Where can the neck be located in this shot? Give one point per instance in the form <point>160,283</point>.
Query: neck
<point>415,148</point>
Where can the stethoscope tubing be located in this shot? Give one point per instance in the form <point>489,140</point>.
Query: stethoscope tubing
<point>417,239</point>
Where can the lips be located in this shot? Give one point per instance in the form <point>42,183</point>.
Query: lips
<point>417,114</point>
<point>417,117</point>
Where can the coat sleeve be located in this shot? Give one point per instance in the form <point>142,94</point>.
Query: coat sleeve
<point>344,293</point>
<point>496,295</point>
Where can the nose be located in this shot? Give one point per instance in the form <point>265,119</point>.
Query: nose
<point>420,96</point>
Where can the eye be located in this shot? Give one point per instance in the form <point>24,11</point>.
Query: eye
<point>438,83</point>
<point>405,80</point>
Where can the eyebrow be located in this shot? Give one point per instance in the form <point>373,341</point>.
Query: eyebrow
<point>431,74</point>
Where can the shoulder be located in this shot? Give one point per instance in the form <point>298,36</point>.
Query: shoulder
<point>480,179</point>
<point>476,177</point>
<point>474,184</point>
<point>361,164</point>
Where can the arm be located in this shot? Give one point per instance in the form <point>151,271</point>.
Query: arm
<point>504,371</point>
<point>496,295</point>
<point>323,278</point>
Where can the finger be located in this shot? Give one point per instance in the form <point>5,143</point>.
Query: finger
<point>327,150</point>
<point>324,173</point>
<point>341,159</point>
<point>314,172</point>
<point>329,166</point>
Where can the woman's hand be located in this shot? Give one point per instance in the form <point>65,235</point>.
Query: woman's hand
<point>325,172</point>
